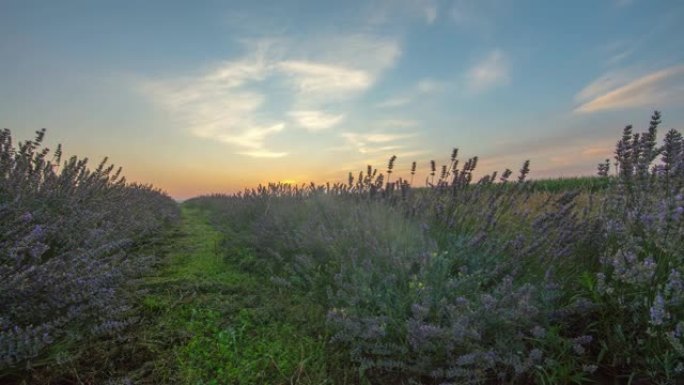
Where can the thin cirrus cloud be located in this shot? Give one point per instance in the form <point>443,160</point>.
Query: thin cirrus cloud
<point>337,70</point>
<point>386,11</point>
<point>618,91</point>
<point>426,86</point>
<point>229,103</point>
<point>316,120</point>
<point>394,102</point>
<point>383,139</point>
<point>263,154</point>
<point>217,106</point>
<point>422,87</point>
<point>480,16</point>
<point>490,72</point>
<point>430,12</point>
<point>397,123</point>
<point>252,137</point>
<point>467,13</point>
<point>375,142</point>
<point>311,77</point>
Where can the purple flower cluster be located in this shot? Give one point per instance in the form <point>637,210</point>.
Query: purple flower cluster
<point>66,237</point>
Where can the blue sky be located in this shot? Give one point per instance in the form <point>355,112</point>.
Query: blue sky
<point>215,96</point>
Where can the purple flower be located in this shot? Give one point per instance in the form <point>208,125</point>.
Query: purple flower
<point>538,332</point>
<point>658,312</point>
<point>462,301</point>
<point>674,287</point>
<point>578,349</point>
<point>583,340</point>
<point>37,250</point>
<point>38,232</point>
<point>466,359</point>
<point>536,355</point>
<point>419,311</point>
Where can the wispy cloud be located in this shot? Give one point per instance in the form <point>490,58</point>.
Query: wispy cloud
<point>216,105</point>
<point>394,102</point>
<point>397,123</point>
<point>422,87</point>
<point>263,154</point>
<point>336,69</point>
<point>370,53</point>
<point>605,150</point>
<point>553,157</point>
<point>478,15</point>
<point>230,102</point>
<point>312,77</point>
<point>426,86</point>
<point>605,83</point>
<point>375,142</point>
<point>489,72</point>
<point>375,137</point>
<point>316,120</point>
<point>466,13</point>
<point>380,158</point>
<point>621,55</point>
<point>386,11</point>
<point>616,91</point>
<point>430,12</point>
<point>252,137</point>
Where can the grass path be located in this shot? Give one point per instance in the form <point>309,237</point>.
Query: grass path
<point>207,322</point>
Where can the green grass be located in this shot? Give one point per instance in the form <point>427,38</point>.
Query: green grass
<point>211,323</point>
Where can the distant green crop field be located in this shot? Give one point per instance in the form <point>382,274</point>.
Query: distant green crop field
<point>587,183</point>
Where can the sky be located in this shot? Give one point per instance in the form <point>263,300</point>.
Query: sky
<point>200,97</point>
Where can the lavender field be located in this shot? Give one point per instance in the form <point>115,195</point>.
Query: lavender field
<point>374,280</point>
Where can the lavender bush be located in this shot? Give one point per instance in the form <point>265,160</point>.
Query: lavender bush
<point>638,282</point>
<point>68,241</point>
<point>487,281</point>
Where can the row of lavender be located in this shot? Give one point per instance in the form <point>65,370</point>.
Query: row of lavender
<point>488,281</point>
<point>70,240</point>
